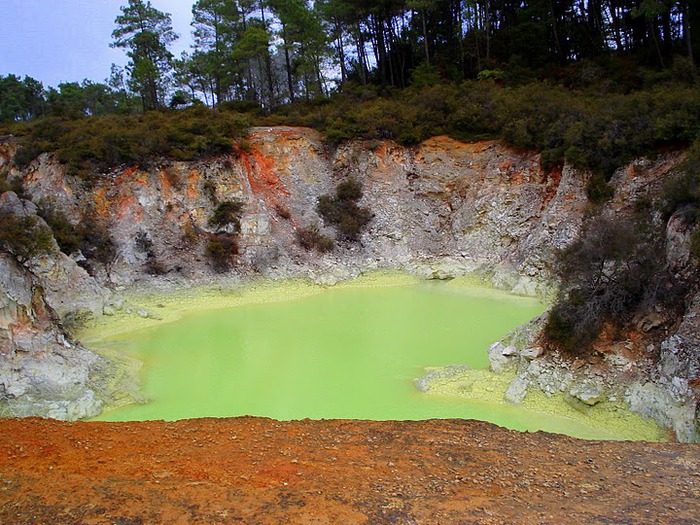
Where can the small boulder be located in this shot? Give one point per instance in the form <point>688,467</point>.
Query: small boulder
<point>532,353</point>
<point>516,391</point>
<point>502,358</point>
<point>588,393</point>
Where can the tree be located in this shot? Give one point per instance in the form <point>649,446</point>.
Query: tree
<point>253,49</point>
<point>304,42</point>
<point>146,33</point>
<point>73,100</point>
<point>20,99</point>
<point>216,26</point>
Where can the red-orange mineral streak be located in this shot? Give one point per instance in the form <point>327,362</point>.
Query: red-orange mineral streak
<point>124,177</point>
<point>262,178</point>
<point>166,187</point>
<point>127,206</point>
<point>101,202</point>
<point>193,184</point>
<point>553,178</point>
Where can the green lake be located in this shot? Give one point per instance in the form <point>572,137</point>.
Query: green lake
<point>344,352</point>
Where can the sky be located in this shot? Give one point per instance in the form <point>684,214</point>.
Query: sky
<point>56,41</point>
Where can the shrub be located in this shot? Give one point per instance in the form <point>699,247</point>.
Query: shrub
<point>683,191</point>
<point>95,243</point>
<point>220,249</point>
<point>90,145</point>
<point>598,189</point>
<point>68,236</point>
<point>227,213</point>
<point>342,210</point>
<point>23,237</point>
<point>605,274</point>
<point>312,239</point>
<point>145,244</point>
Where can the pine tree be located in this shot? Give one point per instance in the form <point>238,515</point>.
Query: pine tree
<point>146,32</point>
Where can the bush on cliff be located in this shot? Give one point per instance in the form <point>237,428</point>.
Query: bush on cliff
<point>23,237</point>
<point>220,250</point>
<point>342,210</point>
<point>96,243</point>
<point>683,192</point>
<point>311,238</point>
<point>68,237</point>
<point>606,274</point>
<point>593,125</point>
<point>227,213</point>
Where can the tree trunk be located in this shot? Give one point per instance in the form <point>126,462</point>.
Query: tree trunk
<point>288,65</point>
<point>686,30</point>
<point>425,37</point>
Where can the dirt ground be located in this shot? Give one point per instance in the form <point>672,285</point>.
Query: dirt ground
<point>253,470</point>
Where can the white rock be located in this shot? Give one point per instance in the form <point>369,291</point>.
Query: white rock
<point>517,390</point>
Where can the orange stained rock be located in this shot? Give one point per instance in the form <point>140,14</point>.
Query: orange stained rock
<point>128,173</point>
<point>262,177</point>
<point>193,183</point>
<point>166,186</point>
<point>553,179</point>
<point>101,202</point>
<point>250,470</point>
<point>126,205</point>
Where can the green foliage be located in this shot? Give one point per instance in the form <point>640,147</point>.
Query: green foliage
<point>24,237</point>
<point>425,75</point>
<point>342,210</point>
<point>590,129</point>
<point>491,74</point>
<point>598,189</point>
<point>20,99</point>
<point>312,239</point>
<point>220,250</point>
<point>91,145</point>
<point>612,268</point>
<point>227,213</point>
<point>11,184</point>
<point>95,242</point>
<point>683,191</point>
<point>67,236</point>
<point>90,236</point>
<point>73,100</point>
<point>590,124</point>
<point>146,32</point>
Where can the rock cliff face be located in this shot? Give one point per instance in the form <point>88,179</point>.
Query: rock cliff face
<point>439,209</point>
<point>458,207</point>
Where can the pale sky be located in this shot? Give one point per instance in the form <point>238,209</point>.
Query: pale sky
<point>57,41</point>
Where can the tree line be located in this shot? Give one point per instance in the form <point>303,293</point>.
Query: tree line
<point>267,53</point>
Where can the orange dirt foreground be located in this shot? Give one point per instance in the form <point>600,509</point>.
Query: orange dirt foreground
<point>251,470</point>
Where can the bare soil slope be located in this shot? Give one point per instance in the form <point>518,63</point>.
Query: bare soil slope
<point>252,470</point>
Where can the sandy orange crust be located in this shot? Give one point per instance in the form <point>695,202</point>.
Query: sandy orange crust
<point>253,470</point>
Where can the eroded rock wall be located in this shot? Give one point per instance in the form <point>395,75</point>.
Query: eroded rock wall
<point>470,206</point>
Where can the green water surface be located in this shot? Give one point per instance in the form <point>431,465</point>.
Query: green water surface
<point>336,353</point>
